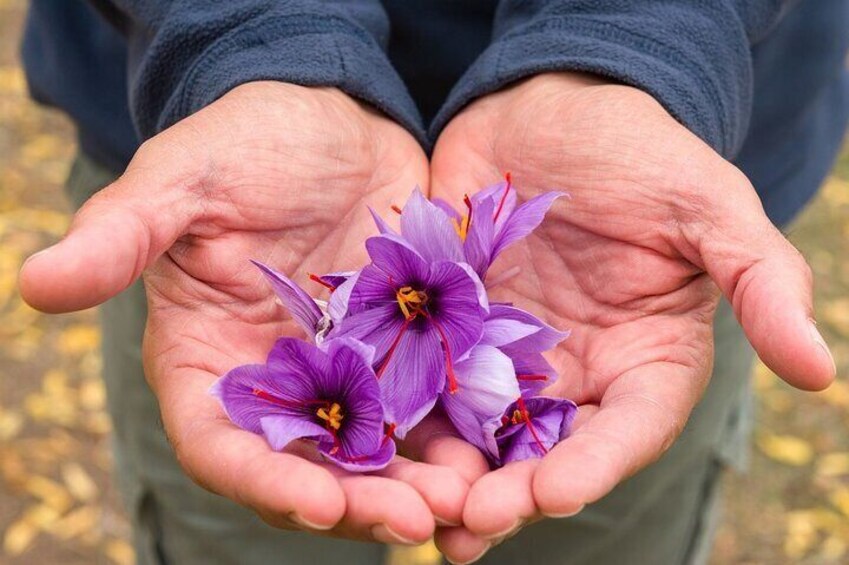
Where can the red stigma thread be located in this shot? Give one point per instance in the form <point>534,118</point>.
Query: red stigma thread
<point>532,377</point>
<point>393,347</point>
<point>396,209</point>
<point>449,365</point>
<point>287,403</point>
<point>527,417</point>
<point>325,284</point>
<point>468,202</point>
<point>509,178</point>
<point>390,433</point>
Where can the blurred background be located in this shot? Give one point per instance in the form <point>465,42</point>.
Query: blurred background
<point>58,503</point>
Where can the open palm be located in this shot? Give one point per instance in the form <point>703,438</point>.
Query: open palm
<point>630,263</point>
<point>276,173</point>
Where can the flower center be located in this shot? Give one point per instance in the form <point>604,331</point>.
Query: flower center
<point>410,301</point>
<point>521,415</point>
<point>332,416</point>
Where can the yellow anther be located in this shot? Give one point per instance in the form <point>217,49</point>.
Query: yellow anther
<point>518,417</point>
<point>462,227</point>
<point>333,417</point>
<point>410,301</point>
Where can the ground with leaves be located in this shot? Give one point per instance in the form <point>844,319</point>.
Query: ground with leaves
<point>59,505</point>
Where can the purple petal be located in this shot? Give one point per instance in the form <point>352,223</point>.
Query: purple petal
<point>546,338</point>
<point>281,430</point>
<point>413,377</point>
<point>457,308</point>
<point>495,194</point>
<point>299,368</point>
<point>235,391</point>
<point>337,279</point>
<point>300,305</point>
<point>498,332</point>
<point>429,230</point>
<point>382,226</point>
<point>363,463</point>
<point>487,386</point>
<point>483,297</point>
<point>447,208</point>
<point>337,346</point>
<point>337,306</point>
<point>533,372</point>
<point>397,261</point>
<point>480,236</point>
<point>551,420</point>
<point>523,221</point>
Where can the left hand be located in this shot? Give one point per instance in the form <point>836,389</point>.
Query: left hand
<point>631,264</point>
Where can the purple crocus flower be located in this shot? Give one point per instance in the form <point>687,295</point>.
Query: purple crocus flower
<point>329,396</point>
<point>420,314</point>
<point>305,310</point>
<point>505,363</point>
<point>531,427</point>
<point>493,221</point>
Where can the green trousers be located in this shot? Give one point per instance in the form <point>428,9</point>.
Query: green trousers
<point>664,515</point>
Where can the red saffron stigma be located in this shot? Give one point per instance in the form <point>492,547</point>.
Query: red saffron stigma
<point>449,365</point>
<point>527,415</point>
<point>275,399</point>
<point>396,209</point>
<point>532,377</point>
<point>325,284</point>
<point>390,433</point>
<point>468,202</point>
<point>393,347</point>
<point>509,178</point>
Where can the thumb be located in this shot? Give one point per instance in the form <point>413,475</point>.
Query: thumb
<point>770,286</point>
<point>113,238</point>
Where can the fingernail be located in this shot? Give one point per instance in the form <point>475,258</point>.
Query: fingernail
<point>506,533</point>
<point>473,559</point>
<point>41,253</point>
<point>384,534</point>
<point>294,517</point>
<point>568,514</point>
<point>445,523</point>
<point>818,339</point>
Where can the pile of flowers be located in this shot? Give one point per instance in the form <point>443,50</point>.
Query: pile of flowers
<point>411,331</point>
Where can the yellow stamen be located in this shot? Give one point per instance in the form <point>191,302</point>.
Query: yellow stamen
<point>333,417</point>
<point>462,227</point>
<point>518,417</point>
<point>410,301</point>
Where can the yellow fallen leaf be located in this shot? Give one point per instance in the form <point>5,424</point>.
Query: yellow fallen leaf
<point>19,536</point>
<point>786,449</point>
<point>840,499</point>
<point>833,549</point>
<point>79,482</point>
<point>76,523</point>
<point>79,339</point>
<point>120,552</point>
<point>10,424</point>
<point>50,492</point>
<point>833,464</point>
<point>92,394</point>
<point>41,516</point>
<point>801,534</point>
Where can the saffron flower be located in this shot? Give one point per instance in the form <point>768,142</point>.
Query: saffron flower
<point>327,395</point>
<point>493,221</point>
<point>305,310</point>
<point>505,364</point>
<point>531,427</point>
<point>420,315</point>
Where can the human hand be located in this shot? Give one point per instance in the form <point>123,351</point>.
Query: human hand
<point>280,174</point>
<point>631,264</point>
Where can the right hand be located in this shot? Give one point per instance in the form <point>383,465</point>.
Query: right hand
<point>277,173</point>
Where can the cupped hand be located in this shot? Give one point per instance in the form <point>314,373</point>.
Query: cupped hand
<point>277,173</point>
<point>657,224</point>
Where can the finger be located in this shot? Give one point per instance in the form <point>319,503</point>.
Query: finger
<point>502,501</point>
<point>434,440</point>
<point>459,545</point>
<point>280,487</point>
<point>383,510</point>
<point>769,285</point>
<point>640,415</point>
<point>442,488</point>
<point>114,236</point>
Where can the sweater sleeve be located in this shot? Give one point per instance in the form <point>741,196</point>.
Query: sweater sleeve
<point>693,56</point>
<point>184,54</point>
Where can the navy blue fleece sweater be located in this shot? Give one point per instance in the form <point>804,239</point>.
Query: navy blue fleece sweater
<point>730,70</point>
